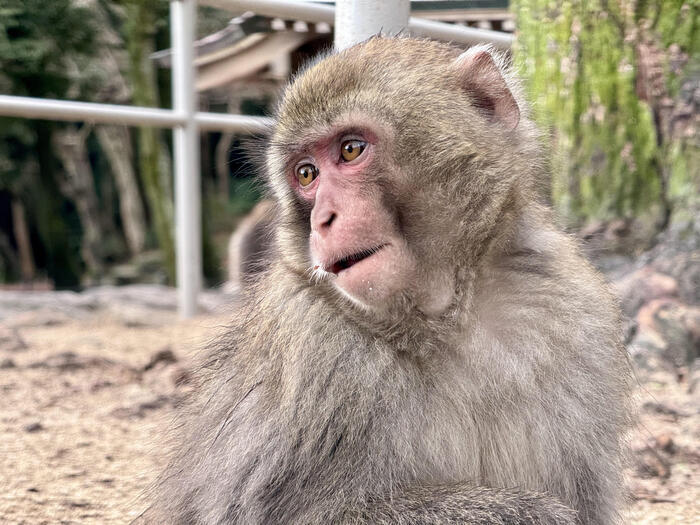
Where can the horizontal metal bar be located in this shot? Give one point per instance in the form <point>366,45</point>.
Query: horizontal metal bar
<point>239,123</point>
<point>50,109</point>
<point>459,34</point>
<point>295,10</point>
<point>289,9</point>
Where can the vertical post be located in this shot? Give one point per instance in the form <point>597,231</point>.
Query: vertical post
<point>357,20</point>
<point>188,232</point>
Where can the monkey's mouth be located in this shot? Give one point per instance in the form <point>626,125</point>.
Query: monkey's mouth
<point>352,259</point>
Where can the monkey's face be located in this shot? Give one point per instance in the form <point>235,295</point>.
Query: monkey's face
<point>349,201</point>
<point>354,241</point>
<point>379,165</point>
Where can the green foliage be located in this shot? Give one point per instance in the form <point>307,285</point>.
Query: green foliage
<point>36,38</point>
<point>211,20</point>
<point>676,21</point>
<point>580,62</point>
<point>41,43</point>
<point>142,21</point>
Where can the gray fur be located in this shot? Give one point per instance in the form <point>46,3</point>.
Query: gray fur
<point>506,408</point>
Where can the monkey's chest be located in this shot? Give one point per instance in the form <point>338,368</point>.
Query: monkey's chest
<point>399,436</point>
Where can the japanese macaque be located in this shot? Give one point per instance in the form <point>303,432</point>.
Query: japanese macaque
<point>249,245</point>
<point>424,345</point>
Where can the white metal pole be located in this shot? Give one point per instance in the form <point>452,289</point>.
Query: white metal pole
<point>357,20</point>
<point>238,123</point>
<point>288,9</point>
<point>188,233</point>
<point>454,33</point>
<point>50,109</point>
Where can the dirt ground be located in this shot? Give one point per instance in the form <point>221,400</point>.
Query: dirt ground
<point>85,404</point>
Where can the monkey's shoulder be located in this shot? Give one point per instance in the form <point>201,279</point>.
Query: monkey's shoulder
<point>543,292</point>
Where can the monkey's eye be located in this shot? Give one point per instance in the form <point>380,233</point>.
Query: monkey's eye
<point>351,149</point>
<point>306,174</point>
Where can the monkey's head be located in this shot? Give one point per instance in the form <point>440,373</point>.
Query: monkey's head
<point>394,163</point>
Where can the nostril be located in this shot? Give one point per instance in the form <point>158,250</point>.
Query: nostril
<point>330,220</point>
<point>322,219</point>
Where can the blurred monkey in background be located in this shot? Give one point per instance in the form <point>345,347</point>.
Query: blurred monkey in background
<point>249,245</point>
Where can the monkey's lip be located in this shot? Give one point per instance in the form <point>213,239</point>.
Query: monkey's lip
<point>349,260</point>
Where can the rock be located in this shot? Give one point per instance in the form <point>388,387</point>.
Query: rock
<point>138,316</point>
<point>691,320</point>
<point>630,329</point>
<point>100,385</point>
<point>45,304</point>
<point>70,361</point>
<point>7,363</point>
<point>592,230</point>
<point>140,410</point>
<point>33,427</point>
<point>42,317</point>
<point>164,355</point>
<point>11,340</point>
<point>663,409</point>
<point>617,229</point>
<point>677,325</point>
<point>646,349</point>
<point>614,246</point>
<point>665,442</point>
<point>667,337</point>
<point>181,376</point>
<point>685,268</point>
<point>642,286</point>
<point>146,267</point>
<point>137,305</point>
<point>78,504</point>
<point>64,361</point>
<point>650,464</point>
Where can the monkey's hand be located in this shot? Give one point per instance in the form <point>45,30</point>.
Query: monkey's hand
<point>461,503</point>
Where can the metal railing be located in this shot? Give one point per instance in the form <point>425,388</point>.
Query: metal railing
<point>186,122</point>
<point>49,109</point>
<point>309,12</point>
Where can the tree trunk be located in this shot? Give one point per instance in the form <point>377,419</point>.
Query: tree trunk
<point>62,265</point>
<point>116,143</point>
<point>24,246</point>
<point>78,184</point>
<point>9,265</point>
<point>140,28</point>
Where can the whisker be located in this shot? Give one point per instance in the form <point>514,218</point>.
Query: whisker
<point>318,274</point>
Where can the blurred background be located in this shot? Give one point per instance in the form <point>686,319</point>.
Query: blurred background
<point>89,339</point>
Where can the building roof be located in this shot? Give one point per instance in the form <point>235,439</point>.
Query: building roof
<point>250,43</point>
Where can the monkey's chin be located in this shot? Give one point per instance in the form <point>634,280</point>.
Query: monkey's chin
<point>373,282</point>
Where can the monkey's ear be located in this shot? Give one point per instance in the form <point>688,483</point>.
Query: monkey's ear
<point>480,76</point>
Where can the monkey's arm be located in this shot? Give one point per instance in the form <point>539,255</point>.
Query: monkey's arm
<point>461,503</point>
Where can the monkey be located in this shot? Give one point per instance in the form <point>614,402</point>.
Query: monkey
<point>424,346</point>
<point>249,245</point>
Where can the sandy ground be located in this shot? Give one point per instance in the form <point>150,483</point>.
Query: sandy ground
<point>84,415</point>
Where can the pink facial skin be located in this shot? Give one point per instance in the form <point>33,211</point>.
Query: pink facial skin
<point>353,236</point>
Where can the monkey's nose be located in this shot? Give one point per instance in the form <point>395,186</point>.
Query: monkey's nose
<point>323,221</point>
<point>329,220</point>
<point>323,215</point>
